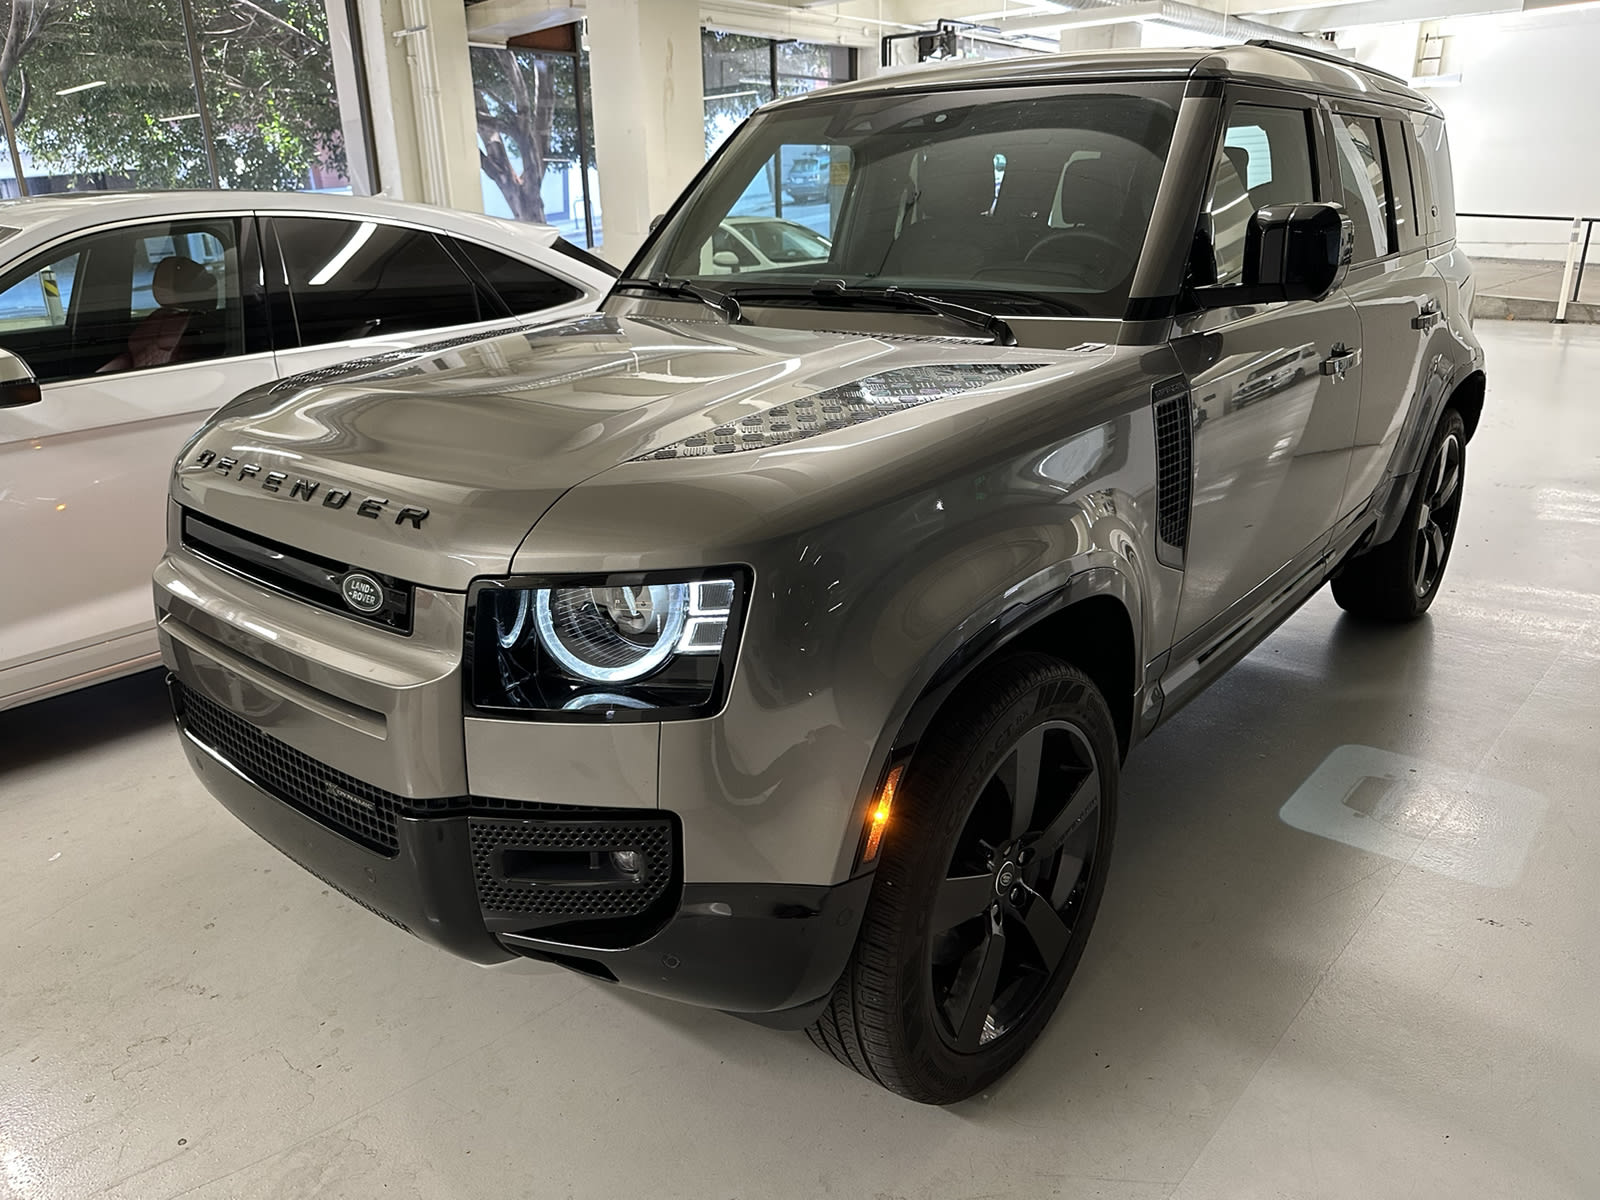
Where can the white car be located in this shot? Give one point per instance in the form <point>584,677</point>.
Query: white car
<point>762,243</point>
<point>125,320</point>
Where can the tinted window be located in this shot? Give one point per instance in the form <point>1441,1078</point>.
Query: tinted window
<point>523,288</point>
<point>1366,194</point>
<point>1433,163</point>
<point>358,279</point>
<point>1407,229</point>
<point>146,296</point>
<point>1265,159</point>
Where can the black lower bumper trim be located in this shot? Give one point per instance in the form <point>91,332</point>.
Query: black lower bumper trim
<point>766,951</point>
<point>426,888</point>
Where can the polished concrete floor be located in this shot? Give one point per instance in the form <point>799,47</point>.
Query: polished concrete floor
<point>1348,948</point>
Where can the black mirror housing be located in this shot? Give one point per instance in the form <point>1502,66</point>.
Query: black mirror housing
<point>1291,252</point>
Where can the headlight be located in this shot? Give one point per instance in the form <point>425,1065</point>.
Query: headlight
<point>636,647</point>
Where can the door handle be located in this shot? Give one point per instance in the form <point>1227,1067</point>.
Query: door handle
<point>1338,363</point>
<point>1428,317</point>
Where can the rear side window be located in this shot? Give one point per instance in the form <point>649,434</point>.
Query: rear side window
<point>1431,158</point>
<point>359,279</point>
<point>1366,192</point>
<point>523,288</point>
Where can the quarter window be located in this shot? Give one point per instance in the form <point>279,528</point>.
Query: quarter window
<point>1365,189</point>
<point>523,288</point>
<point>358,279</point>
<point>127,299</point>
<point>1265,159</point>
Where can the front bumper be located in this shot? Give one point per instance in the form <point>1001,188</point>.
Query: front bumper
<point>771,952</point>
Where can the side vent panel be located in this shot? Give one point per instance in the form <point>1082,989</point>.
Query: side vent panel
<point>1174,422</point>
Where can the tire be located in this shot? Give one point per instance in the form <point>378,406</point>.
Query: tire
<point>911,1010</point>
<point>1398,579</point>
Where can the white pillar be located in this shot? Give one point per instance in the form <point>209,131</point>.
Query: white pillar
<point>649,112</point>
<point>419,79</point>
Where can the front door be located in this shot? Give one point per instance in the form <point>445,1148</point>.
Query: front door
<point>136,334</point>
<point>1275,388</point>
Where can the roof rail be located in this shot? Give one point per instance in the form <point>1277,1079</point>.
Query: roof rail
<point>1325,55</point>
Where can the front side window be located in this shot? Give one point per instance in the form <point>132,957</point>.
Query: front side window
<point>1366,194</point>
<point>153,295</point>
<point>1265,159</point>
<point>1021,202</point>
<point>359,279</point>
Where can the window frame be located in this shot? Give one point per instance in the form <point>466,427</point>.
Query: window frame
<point>1333,109</point>
<point>256,331</point>
<point>1310,105</point>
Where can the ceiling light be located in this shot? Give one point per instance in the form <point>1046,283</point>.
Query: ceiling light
<point>82,87</point>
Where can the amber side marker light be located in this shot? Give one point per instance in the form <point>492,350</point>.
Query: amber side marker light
<point>878,817</point>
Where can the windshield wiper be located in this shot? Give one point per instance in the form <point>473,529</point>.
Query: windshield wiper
<point>723,302</point>
<point>836,291</point>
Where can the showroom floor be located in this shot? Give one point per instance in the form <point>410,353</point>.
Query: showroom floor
<point>1347,948</point>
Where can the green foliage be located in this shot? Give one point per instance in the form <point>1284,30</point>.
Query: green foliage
<point>268,77</point>
<point>527,114</point>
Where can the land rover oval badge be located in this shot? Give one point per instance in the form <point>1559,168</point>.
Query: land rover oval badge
<point>362,592</point>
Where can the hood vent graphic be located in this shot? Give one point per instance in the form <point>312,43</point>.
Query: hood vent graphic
<point>840,407</point>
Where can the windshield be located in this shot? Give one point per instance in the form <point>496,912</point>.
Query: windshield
<point>1023,201</point>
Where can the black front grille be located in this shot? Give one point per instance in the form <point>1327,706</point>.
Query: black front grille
<point>308,577</point>
<point>361,812</point>
<point>559,870</point>
<point>1174,432</point>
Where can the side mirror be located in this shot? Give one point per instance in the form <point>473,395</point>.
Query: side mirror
<point>1291,252</point>
<point>17,384</point>
<point>726,259</point>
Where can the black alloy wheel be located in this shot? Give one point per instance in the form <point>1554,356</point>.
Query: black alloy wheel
<point>1436,515</point>
<point>987,886</point>
<point>1003,917</point>
<point>1398,579</point>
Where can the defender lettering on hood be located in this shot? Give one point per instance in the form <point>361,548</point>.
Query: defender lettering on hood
<point>307,489</point>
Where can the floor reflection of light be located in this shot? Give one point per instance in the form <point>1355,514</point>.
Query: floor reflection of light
<point>1452,822</point>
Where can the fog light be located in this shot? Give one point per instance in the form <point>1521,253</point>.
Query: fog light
<point>629,862</point>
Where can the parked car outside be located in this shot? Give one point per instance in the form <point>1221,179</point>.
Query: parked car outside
<point>807,179</point>
<point>137,315</point>
<point>773,642</point>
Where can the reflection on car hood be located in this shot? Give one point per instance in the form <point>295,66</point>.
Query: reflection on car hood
<point>484,436</point>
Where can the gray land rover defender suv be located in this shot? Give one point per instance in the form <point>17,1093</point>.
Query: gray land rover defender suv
<point>771,639</point>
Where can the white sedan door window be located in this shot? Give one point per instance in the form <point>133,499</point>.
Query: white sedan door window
<point>136,335</point>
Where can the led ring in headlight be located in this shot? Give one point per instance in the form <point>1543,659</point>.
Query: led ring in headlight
<point>656,643</point>
<point>611,634</point>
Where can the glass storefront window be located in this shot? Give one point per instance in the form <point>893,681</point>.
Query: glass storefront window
<point>268,76</point>
<point>104,95</point>
<point>736,75</point>
<point>740,73</point>
<point>535,141</point>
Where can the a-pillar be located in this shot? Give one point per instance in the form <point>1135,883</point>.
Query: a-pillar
<point>419,79</point>
<point>649,112</point>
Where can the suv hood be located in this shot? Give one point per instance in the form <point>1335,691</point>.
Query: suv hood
<point>433,465</point>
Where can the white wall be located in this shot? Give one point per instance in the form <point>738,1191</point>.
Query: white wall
<point>1524,121</point>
